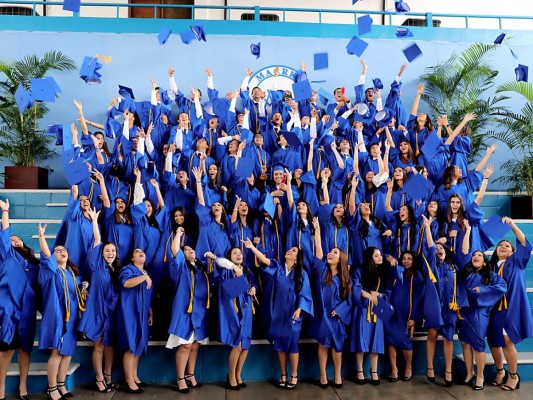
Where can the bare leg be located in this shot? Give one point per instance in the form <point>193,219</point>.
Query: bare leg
<point>337,363</point>
<point>182,356</point>
<point>52,372</point>
<point>5,362</point>
<point>233,359</point>
<point>98,361</point>
<point>408,357</point>
<point>62,373</point>
<point>322,361</point>
<point>469,361</point>
<point>240,365</point>
<point>136,369</point>
<point>24,368</point>
<point>448,357</point>
<point>511,356</point>
<point>282,359</point>
<point>295,358</point>
<point>359,358</point>
<point>430,349</point>
<point>392,360</point>
<point>191,364</point>
<point>129,366</point>
<point>374,366</point>
<point>480,364</point>
<point>109,354</point>
<point>497,355</point>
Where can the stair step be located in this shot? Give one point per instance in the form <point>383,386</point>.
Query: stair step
<point>39,369</point>
<point>524,357</point>
<point>56,204</point>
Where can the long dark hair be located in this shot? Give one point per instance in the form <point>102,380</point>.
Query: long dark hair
<point>449,176</point>
<point>460,213</point>
<point>412,222</point>
<point>70,264</point>
<point>364,225</point>
<point>104,144</point>
<point>308,217</point>
<point>485,271</point>
<point>127,213</point>
<point>27,253</point>
<point>298,271</point>
<point>115,265</point>
<point>344,272</point>
<point>152,220</point>
<point>416,263</point>
<point>245,269</point>
<point>494,259</point>
<point>428,125</point>
<point>448,255</point>
<point>372,272</point>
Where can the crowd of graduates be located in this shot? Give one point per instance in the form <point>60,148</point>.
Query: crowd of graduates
<point>256,215</point>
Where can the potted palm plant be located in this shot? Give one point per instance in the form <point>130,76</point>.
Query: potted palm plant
<point>515,130</point>
<point>22,143</point>
<point>460,85</point>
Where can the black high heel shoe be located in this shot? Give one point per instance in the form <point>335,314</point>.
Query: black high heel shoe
<point>431,379</point>
<point>109,384</point>
<point>105,389</point>
<point>61,385</point>
<point>50,390</point>
<point>360,381</point>
<point>229,386</point>
<point>289,385</point>
<point>189,382</point>
<point>373,381</point>
<point>127,389</point>
<point>500,371</point>
<point>448,383</point>
<point>517,386</point>
<point>182,390</point>
<point>282,381</point>
<point>21,397</point>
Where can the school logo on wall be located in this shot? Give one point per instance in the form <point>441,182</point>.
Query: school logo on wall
<point>264,78</point>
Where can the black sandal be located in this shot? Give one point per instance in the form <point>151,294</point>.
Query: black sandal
<point>23,396</point>
<point>517,386</point>
<point>361,381</point>
<point>106,389</point>
<point>109,384</point>
<point>50,390</point>
<point>282,382</point>
<point>500,371</point>
<point>289,385</point>
<point>448,383</point>
<point>189,382</point>
<point>183,390</point>
<point>431,379</point>
<point>62,385</point>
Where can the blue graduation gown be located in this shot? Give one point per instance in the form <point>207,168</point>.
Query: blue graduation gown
<point>416,139</point>
<point>514,314</point>
<point>235,314</point>
<point>284,332</point>
<point>460,149</point>
<point>466,189</point>
<point>133,313</point>
<point>478,239</point>
<point>189,315</point>
<point>56,333</point>
<point>212,237</point>
<point>407,296</point>
<point>476,317</point>
<point>18,303</point>
<point>303,239</point>
<point>358,242</point>
<point>119,233</point>
<point>271,234</point>
<point>99,318</point>
<point>331,235</point>
<point>327,330</point>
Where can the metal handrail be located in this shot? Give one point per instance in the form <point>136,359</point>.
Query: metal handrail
<point>428,16</point>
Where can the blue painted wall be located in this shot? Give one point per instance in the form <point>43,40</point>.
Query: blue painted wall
<point>138,56</point>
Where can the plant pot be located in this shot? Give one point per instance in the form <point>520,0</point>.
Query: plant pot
<point>522,207</point>
<point>26,178</point>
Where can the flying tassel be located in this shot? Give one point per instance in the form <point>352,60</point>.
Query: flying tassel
<point>189,309</point>
<point>105,59</point>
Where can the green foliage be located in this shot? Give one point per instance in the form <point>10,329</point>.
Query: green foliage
<point>515,130</point>
<point>459,85</point>
<point>21,142</point>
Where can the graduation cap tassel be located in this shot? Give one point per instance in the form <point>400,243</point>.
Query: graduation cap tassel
<point>431,275</point>
<point>208,291</point>
<point>235,305</point>
<point>106,59</point>
<point>191,297</point>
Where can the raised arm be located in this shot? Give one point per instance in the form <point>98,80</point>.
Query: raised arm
<point>83,123</point>
<point>93,214</point>
<point>338,157</point>
<point>388,197</point>
<point>41,229</point>
<point>160,201</point>
<point>427,228</point>
<point>311,154</point>
<point>104,196</point>
<point>288,188</point>
<point>319,253</point>
<point>467,118</point>
<point>324,187</point>
<point>199,190</point>
<point>4,205</point>
<point>419,91</point>
<point>465,248</point>
<point>351,200</point>
<point>520,237</point>
<point>486,175</point>
<point>235,213</point>
<point>491,149</point>
<point>260,256</point>
<point>176,243</point>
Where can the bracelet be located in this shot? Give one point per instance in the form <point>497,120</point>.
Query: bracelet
<point>5,210</point>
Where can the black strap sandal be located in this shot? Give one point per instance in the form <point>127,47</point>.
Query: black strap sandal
<point>289,385</point>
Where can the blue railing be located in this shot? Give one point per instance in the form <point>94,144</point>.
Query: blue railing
<point>387,16</point>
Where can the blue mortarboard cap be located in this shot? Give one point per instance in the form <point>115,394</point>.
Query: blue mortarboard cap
<point>364,24</point>
<point>255,49</point>
<point>77,171</point>
<point>356,46</point>
<point>150,170</point>
<point>302,90</point>
<point>417,186</point>
<point>325,140</point>
<point>23,98</point>
<point>89,70</point>
<point>125,92</point>
<point>187,37</point>
<point>235,286</point>
<point>269,205</point>
<point>354,1</point>
<point>163,35</point>
<point>325,96</point>
<point>42,90</point>
<point>220,107</point>
<point>57,132</point>
<point>431,146</point>
<point>384,117</point>
<point>68,155</point>
<point>292,138</point>
<point>53,84</point>
<point>72,5</point>
<point>377,83</point>
<point>403,32</point>
<point>412,52</point>
<point>321,61</point>
<point>279,166</point>
<point>383,310</point>
<point>495,228</point>
<point>521,73</point>
<point>499,39</point>
<point>244,168</point>
<point>198,31</point>
<point>401,6</point>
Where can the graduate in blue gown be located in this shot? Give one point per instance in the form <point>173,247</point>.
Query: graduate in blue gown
<point>134,317</point>
<point>98,322</point>
<point>444,296</point>
<point>484,289</point>
<point>235,311</point>
<point>241,229</point>
<point>63,302</point>
<point>299,229</point>
<point>189,322</point>
<point>419,126</point>
<point>406,230</point>
<point>510,320</point>
<point>372,284</point>
<point>291,302</point>
<point>19,270</point>
<point>406,297</point>
<point>333,306</point>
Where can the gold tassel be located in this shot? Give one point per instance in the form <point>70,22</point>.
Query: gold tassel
<point>430,272</point>
<point>235,305</point>
<point>208,291</point>
<point>105,59</point>
<point>191,296</point>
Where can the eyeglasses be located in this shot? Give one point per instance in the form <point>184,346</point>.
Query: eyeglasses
<point>60,251</point>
